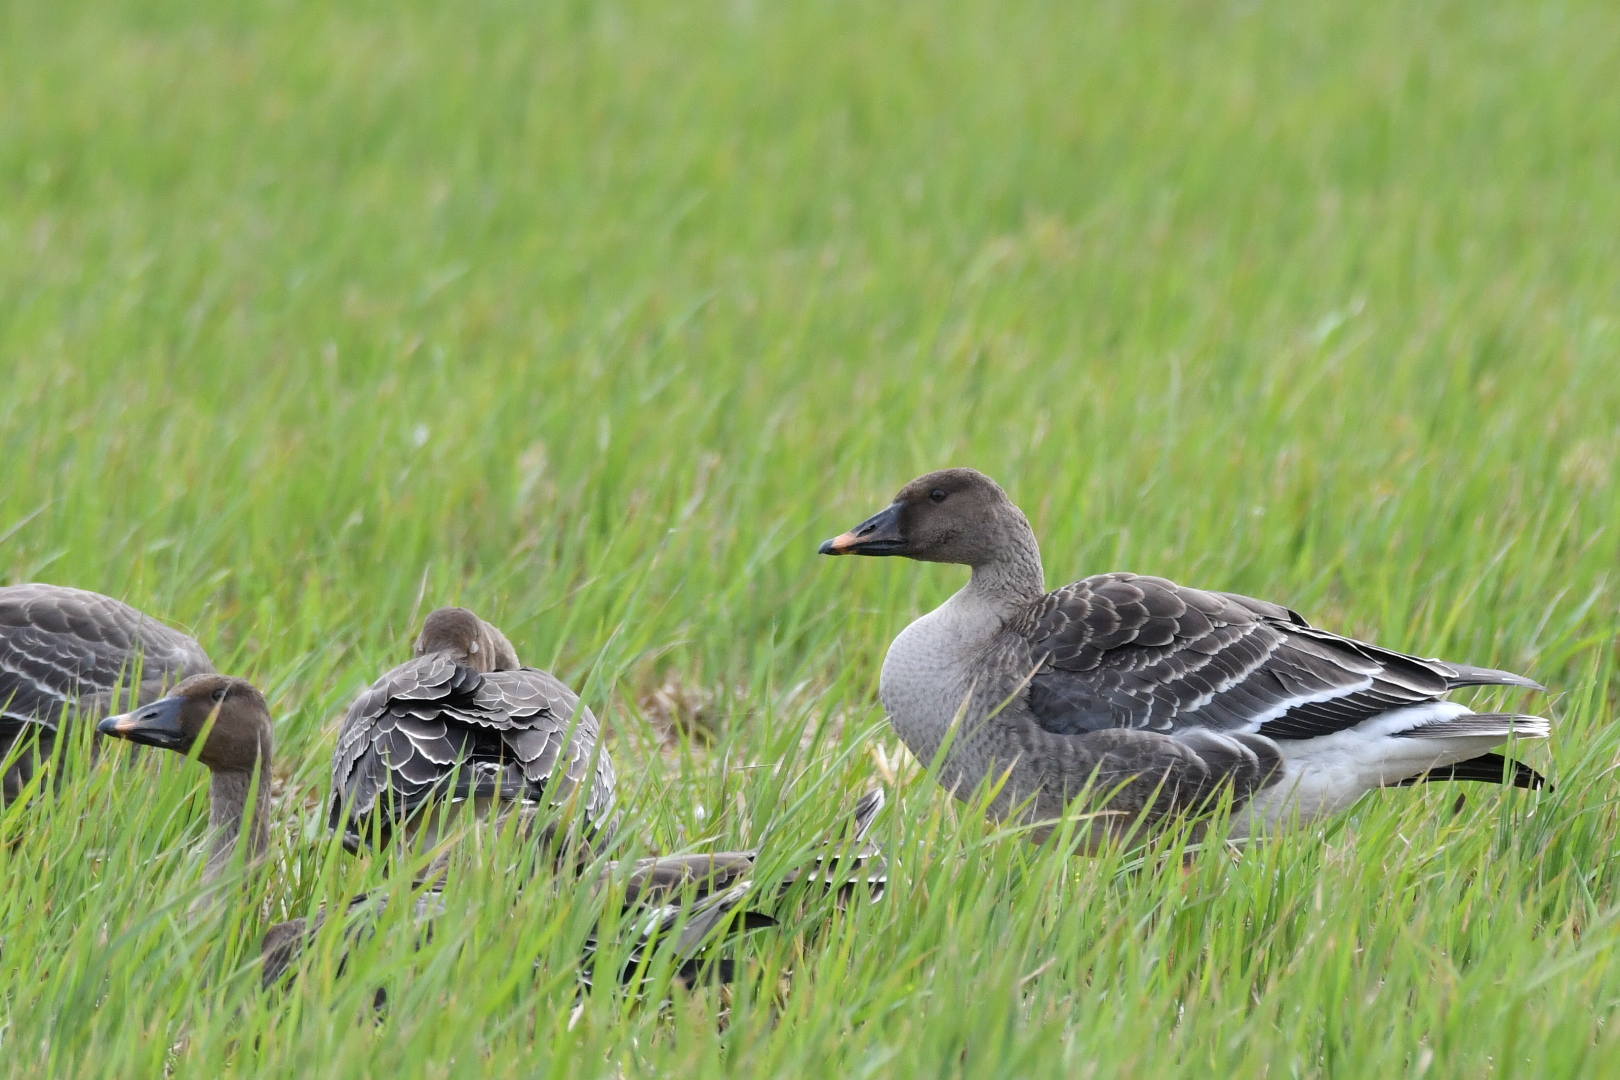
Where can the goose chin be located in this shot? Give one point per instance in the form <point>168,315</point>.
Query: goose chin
<point>848,545</point>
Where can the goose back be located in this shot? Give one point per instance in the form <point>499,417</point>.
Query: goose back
<point>66,650</point>
<point>433,728</point>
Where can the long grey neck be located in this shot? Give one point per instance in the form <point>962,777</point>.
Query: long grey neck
<point>1015,578</point>
<point>227,805</point>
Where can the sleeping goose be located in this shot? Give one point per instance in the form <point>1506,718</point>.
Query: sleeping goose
<point>464,719</point>
<point>1154,696</point>
<point>65,651</point>
<point>463,722</point>
<point>692,896</point>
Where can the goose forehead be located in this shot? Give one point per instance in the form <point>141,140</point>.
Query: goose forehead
<point>242,702</point>
<point>206,684</point>
<point>950,480</point>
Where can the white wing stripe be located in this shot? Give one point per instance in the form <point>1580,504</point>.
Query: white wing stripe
<point>1295,702</point>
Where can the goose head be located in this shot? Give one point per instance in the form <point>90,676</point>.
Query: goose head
<point>229,715</point>
<point>466,639</point>
<point>949,516</point>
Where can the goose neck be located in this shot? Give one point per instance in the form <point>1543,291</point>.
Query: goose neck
<point>228,796</point>
<point>1015,577</point>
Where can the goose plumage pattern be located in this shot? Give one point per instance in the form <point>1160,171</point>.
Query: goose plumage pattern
<point>462,720</point>
<point>1128,651</point>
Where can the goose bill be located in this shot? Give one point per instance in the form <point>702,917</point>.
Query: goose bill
<point>878,535</point>
<point>157,724</point>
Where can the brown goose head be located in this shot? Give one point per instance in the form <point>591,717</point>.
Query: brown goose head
<point>466,639</point>
<point>950,516</point>
<point>229,715</point>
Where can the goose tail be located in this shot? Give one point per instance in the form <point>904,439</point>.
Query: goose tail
<point>1487,769</point>
<point>1473,725</point>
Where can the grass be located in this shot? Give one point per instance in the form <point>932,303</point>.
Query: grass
<point>597,317</point>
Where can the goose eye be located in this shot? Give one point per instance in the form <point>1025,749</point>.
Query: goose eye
<point>937,495</point>
<point>219,695</point>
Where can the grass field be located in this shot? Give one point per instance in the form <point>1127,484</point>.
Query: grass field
<point>597,317</point>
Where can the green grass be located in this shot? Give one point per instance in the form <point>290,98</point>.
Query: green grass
<point>597,317</point>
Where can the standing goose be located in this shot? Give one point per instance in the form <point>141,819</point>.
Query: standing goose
<point>464,720</point>
<point>64,651</point>
<point>1153,694</point>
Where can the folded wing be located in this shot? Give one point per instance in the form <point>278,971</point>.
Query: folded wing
<point>61,646</point>
<point>1123,651</point>
<point>433,729</point>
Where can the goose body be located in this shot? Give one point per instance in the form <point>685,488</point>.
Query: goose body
<point>1159,696</point>
<point>691,896</point>
<point>462,721</point>
<point>66,651</point>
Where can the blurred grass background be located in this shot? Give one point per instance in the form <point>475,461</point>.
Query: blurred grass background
<point>597,317</point>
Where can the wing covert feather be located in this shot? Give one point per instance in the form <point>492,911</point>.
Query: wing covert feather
<point>1128,651</point>
<point>431,728</point>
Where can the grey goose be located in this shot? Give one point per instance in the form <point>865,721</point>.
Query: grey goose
<point>232,719</point>
<point>684,898</point>
<point>67,651</point>
<point>464,724</point>
<point>1150,695</point>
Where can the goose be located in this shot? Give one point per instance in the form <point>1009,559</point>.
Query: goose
<point>463,723</point>
<point>238,755</point>
<point>1151,695</point>
<point>67,651</point>
<point>689,896</point>
<point>464,719</point>
<point>238,752</point>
